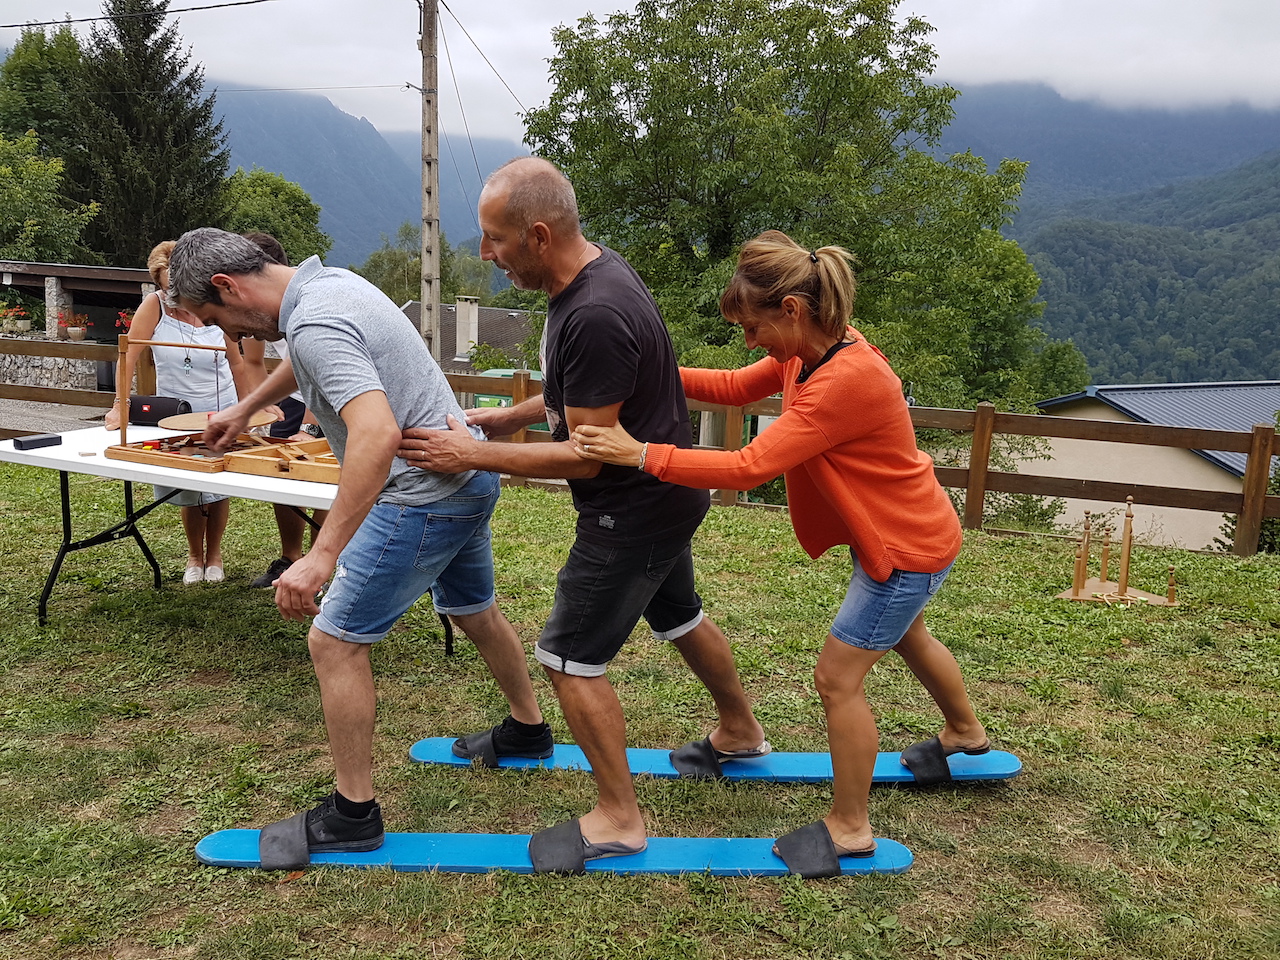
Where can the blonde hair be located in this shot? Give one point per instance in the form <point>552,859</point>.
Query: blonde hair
<point>158,259</point>
<point>773,267</point>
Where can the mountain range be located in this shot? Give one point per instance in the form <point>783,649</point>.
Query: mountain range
<point>1152,230</point>
<point>366,183</point>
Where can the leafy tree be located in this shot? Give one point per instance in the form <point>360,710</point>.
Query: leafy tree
<point>36,221</point>
<point>1057,370</point>
<point>396,267</point>
<point>534,304</point>
<point>265,201</point>
<point>485,356</point>
<point>690,126</point>
<point>472,277</point>
<point>34,88</point>
<point>153,153</point>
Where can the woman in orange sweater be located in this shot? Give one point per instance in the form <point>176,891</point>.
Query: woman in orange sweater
<point>854,476</point>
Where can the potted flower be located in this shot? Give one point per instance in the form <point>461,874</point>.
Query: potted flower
<point>13,319</point>
<point>73,323</point>
<point>124,320</point>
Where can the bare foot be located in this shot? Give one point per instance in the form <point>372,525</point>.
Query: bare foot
<point>731,741</point>
<point>599,827</point>
<point>850,840</point>
<point>972,739</point>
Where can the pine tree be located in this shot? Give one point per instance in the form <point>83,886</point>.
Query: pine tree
<point>154,154</point>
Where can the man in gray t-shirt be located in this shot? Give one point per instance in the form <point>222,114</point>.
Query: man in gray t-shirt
<point>366,375</point>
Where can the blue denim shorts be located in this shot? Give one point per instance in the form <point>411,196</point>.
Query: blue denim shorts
<point>601,593</point>
<point>874,615</point>
<point>399,553</point>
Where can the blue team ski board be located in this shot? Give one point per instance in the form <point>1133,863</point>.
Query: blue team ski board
<point>776,767</point>
<point>486,852</point>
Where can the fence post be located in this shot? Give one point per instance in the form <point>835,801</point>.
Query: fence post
<point>984,419</point>
<point>733,424</point>
<point>519,394</point>
<point>1257,473</point>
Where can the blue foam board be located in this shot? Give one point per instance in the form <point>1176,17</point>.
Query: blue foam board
<point>776,767</point>
<point>486,852</point>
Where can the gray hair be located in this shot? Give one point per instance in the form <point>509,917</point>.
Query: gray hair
<point>204,252</point>
<point>537,190</point>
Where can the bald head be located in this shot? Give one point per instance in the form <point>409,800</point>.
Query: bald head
<point>535,191</point>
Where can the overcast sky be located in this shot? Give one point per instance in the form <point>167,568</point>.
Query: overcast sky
<point>1163,53</point>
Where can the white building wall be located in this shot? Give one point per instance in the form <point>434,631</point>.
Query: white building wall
<point>1135,463</point>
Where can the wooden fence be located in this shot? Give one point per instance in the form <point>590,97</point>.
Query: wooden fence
<point>1250,506</point>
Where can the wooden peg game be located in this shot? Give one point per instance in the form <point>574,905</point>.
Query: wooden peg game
<point>309,460</point>
<point>184,452</point>
<point>1101,590</point>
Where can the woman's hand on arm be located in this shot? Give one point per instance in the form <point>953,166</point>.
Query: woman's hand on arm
<point>608,444</point>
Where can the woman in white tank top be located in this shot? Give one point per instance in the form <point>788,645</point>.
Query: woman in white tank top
<point>204,378</point>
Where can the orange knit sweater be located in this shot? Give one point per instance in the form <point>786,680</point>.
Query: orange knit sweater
<point>847,447</point>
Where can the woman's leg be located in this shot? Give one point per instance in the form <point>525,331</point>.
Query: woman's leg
<point>937,670</point>
<point>215,526</point>
<point>193,524</point>
<point>852,735</point>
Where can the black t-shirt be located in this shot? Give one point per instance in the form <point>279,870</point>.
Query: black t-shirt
<point>606,343</point>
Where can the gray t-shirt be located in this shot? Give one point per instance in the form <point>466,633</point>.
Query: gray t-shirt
<point>346,338</point>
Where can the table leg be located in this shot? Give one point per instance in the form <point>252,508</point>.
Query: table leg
<point>125,528</point>
<point>137,534</point>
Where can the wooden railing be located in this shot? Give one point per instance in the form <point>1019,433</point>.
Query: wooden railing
<point>1250,506</point>
<point>71,350</point>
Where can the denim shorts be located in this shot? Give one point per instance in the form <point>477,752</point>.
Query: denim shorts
<point>601,593</point>
<point>874,615</point>
<point>400,552</point>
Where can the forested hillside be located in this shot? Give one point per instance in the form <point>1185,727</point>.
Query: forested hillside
<point>1181,283</point>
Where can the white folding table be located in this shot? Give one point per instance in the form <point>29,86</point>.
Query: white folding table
<point>83,451</point>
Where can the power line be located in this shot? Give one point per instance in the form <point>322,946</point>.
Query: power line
<point>124,16</point>
<point>465,126</point>
<point>359,86</point>
<point>483,57</point>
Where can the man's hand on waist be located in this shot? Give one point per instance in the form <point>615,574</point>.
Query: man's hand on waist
<point>444,451</point>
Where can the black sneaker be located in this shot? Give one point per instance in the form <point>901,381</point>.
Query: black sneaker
<point>328,831</point>
<point>504,740</point>
<point>273,573</point>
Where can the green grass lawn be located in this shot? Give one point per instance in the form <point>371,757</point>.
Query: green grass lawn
<point>1146,823</point>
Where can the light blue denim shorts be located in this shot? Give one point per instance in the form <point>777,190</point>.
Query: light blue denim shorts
<point>400,552</point>
<point>875,615</point>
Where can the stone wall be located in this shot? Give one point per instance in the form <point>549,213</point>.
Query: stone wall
<point>58,372</point>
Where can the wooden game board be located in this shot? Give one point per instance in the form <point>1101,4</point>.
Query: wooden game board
<point>309,460</point>
<point>186,452</point>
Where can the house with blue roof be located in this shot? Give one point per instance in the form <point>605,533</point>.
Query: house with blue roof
<point>1216,406</point>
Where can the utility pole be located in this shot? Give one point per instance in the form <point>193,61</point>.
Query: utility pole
<point>429,318</point>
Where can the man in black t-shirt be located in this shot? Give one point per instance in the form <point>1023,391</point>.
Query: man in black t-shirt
<point>607,358</point>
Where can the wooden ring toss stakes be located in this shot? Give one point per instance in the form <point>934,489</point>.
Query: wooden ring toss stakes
<point>122,384</point>
<point>1102,590</point>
